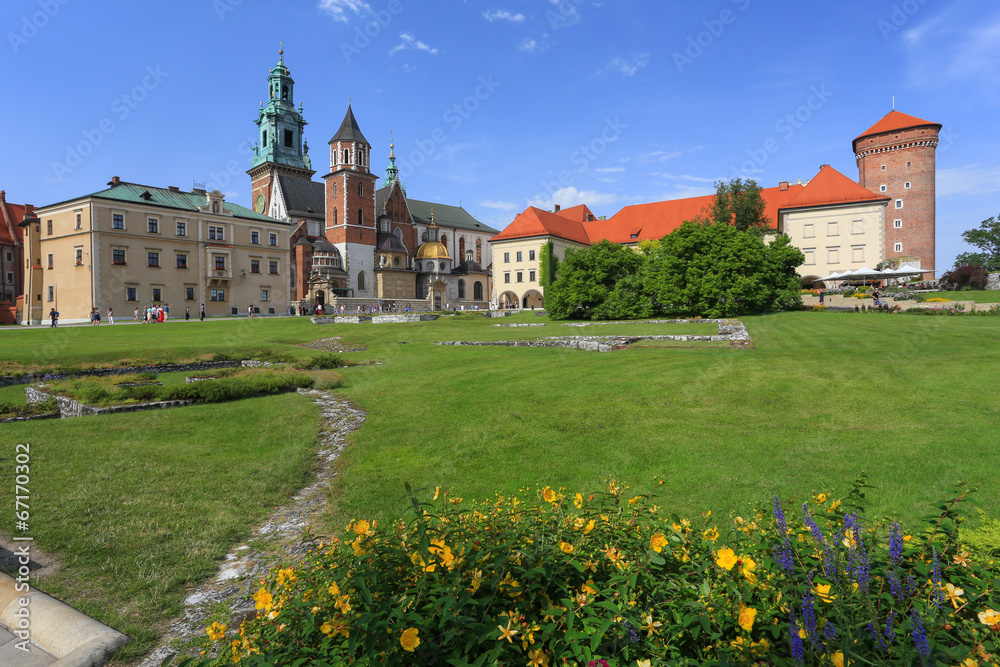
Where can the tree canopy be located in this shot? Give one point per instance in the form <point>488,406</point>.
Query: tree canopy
<point>986,238</point>
<point>590,278</point>
<point>739,203</point>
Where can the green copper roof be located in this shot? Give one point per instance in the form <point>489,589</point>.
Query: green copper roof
<point>184,201</point>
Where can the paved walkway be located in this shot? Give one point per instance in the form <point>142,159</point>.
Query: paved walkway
<point>11,655</point>
<point>278,540</point>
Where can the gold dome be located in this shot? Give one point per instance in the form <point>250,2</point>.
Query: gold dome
<point>432,250</point>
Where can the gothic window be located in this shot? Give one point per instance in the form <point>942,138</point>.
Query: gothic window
<point>347,155</point>
<point>361,281</point>
<point>361,217</point>
<point>398,233</point>
<point>423,237</point>
<point>477,291</point>
<point>461,289</point>
<point>461,246</point>
<point>334,216</point>
<point>479,252</point>
<point>361,189</point>
<point>469,256</point>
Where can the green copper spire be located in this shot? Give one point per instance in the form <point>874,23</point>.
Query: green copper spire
<point>391,172</point>
<point>280,124</point>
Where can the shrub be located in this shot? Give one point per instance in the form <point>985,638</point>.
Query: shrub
<point>321,362</point>
<point>573,579</point>
<point>327,380</point>
<point>965,277</point>
<point>8,410</point>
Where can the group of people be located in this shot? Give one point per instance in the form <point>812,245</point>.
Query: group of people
<point>151,314</point>
<point>95,316</point>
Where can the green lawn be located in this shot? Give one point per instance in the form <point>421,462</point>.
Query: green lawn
<point>979,296</point>
<point>138,505</point>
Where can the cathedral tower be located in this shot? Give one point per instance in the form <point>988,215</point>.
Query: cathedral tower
<point>281,148</point>
<point>350,204</point>
<point>896,157</point>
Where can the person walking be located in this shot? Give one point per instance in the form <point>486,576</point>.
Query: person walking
<point>95,317</point>
<point>187,313</point>
<point>54,316</point>
<point>111,316</point>
<point>166,311</point>
<point>202,312</point>
<point>821,296</point>
<point>135,314</point>
<point>249,312</point>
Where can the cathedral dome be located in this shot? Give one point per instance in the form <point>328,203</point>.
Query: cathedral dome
<point>432,250</point>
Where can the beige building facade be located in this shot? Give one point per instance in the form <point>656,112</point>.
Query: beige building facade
<point>132,246</point>
<point>836,238</point>
<point>517,269</point>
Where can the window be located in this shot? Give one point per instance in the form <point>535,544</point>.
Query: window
<point>361,189</point>
<point>117,221</point>
<point>51,293</point>
<point>506,277</point>
<point>531,276</point>
<point>10,276</point>
<point>832,229</point>
<point>858,254</point>
<point>898,247</point>
<point>289,139</point>
<point>272,267</point>
<point>181,229</point>
<point>254,266</point>
<point>131,294</point>
<point>152,258</point>
<point>883,167</point>
<point>79,256</point>
<point>48,227</point>
<point>520,276</point>
<point>531,255</point>
<point>118,256</point>
<point>182,261</point>
<point>361,281</point>
<point>634,236</point>
<point>810,254</point>
<point>10,256</point>
<point>882,188</point>
<point>477,291</point>
<point>347,155</point>
<point>899,203</point>
<point>264,142</point>
<point>255,238</point>
<point>264,296</point>
<point>461,289</point>
<point>907,185</point>
<point>273,239</point>
<point>217,295</point>
<point>808,230</point>
<point>334,189</point>
<point>857,226</point>
<point>216,233</point>
<point>50,260</point>
<point>506,258</point>
<point>897,223</point>
<point>189,293</point>
<point>153,226</point>
<point>519,256</point>
<point>361,217</point>
<point>157,294</point>
<point>907,164</point>
<point>211,233</point>
<point>833,255</point>
<point>220,262</point>
<point>79,220</point>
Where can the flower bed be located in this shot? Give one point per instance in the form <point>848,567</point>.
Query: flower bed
<point>563,578</point>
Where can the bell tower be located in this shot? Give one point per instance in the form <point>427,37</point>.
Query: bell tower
<point>281,148</point>
<point>350,204</point>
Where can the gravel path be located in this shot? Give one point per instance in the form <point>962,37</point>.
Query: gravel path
<point>278,540</point>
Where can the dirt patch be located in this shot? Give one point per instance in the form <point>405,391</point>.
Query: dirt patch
<point>334,344</point>
<point>42,565</point>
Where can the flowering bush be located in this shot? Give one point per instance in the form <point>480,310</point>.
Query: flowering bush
<point>938,299</point>
<point>605,579</point>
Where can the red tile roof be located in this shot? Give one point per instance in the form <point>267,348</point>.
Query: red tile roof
<point>10,215</point>
<point>832,187</point>
<point>579,213</point>
<point>536,222</point>
<point>894,120</point>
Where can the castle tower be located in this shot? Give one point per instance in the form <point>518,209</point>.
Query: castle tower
<point>281,148</point>
<point>896,157</point>
<point>350,204</point>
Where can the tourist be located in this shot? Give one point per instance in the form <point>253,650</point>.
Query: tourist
<point>187,313</point>
<point>821,296</point>
<point>202,312</point>
<point>135,314</point>
<point>249,312</point>
<point>161,315</point>
<point>111,316</point>
<point>875,297</point>
<point>54,316</point>
<point>95,317</point>
<point>166,311</point>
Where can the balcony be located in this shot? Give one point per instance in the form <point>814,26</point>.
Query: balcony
<point>220,274</point>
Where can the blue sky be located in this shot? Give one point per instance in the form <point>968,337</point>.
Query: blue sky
<point>500,104</point>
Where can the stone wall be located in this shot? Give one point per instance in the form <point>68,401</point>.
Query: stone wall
<point>400,318</point>
<point>8,380</point>
<point>994,281</point>
<point>70,408</point>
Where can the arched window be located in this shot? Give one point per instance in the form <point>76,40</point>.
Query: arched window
<point>469,256</point>
<point>284,93</point>
<point>361,281</point>
<point>461,289</point>
<point>334,216</point>
<point>361,189</point>
<point>477,291</point>
<point>461,246</point>
<point>423,237</point>
<point>444,240</point>
<point>398,233</point>
<point>335,260</point>
<point>347,156</point>
<point>361,216</point>
<point>479,252</point>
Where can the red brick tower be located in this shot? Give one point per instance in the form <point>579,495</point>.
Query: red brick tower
<point>896,157</point>
<point>350,205</point>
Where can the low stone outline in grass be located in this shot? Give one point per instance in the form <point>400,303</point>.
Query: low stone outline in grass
<point>732,331</point>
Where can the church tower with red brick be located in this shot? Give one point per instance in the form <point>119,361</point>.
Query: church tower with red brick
<point>350,205</point>
<point>896,157</point>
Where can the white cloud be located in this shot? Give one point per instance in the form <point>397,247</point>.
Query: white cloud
<point>627,66</point>
<point>972,179</point>
<point>659,156</point>
<point>335,8</point>
<point>564,15</point>
<point>567,197</point>
<point>610,170</point>
<point>411,42</point>
<point>531,46</point>
<point>686,177</point>
<point>499,205</point>
<point>500,15</point>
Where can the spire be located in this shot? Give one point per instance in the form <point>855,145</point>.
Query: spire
<point>280,125</point>
<point>349,129</point>
<point>392,172</point>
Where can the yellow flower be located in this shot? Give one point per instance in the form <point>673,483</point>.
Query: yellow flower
<point>820,498</point>
<point>989,617</point>
<point>589,527</point>
<point>588,587</point>
<point>953,594</point>
<point>578,500</point>
<point>566,547</point>
<point>409,639</point>
<point>549,495</point>
<point>477,580</point>
<point>359,550</point>
<point>263,599</point>
<point>969,662</point>
<point>726,558</point>
<point>822,591</point>
<point>747,566</point>
<point>334,589</point>
<point>633,501</point>
<point>538,658</point>
<point>437,492</point>
<point>747,615</point>
<point>962,559</point>
<point>651,626</point>
<point>838,659</point>
<point>455,501</point>
<point>712,534</point>
<point>643,663</point>
<point>507,632</point>
<point>657,542</point>
<point>216,631</point>
<point>361,527</point>
<point>833,507</point>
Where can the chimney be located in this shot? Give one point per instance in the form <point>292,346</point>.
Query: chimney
<point>3,195</point>
<point>557,207</point>
<point>173,188</point>
<point>115,181</point>
<point>783,186</point>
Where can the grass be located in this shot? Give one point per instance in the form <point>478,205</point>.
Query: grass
<point>138,506</point>
<point>979,296</point>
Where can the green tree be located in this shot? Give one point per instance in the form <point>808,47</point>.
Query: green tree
<point>717,270</point>
<point>548,265</point>
<point>987,239</point>
<point>589,277</point>
<point>739,203</point>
